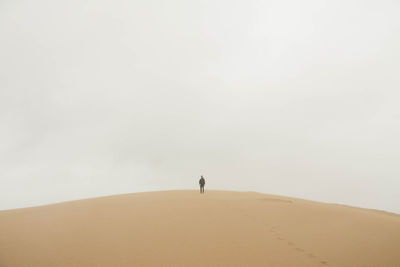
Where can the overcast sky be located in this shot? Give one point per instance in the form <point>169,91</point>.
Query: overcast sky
<point>297,98</point>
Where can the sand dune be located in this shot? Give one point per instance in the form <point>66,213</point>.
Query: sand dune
<point>184,228</point>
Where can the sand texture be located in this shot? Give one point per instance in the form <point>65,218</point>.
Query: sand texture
<point>184,228</point>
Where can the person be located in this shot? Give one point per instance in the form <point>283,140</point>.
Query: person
<point>202,182</point>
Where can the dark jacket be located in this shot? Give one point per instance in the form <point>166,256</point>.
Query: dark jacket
<point>202,182</point>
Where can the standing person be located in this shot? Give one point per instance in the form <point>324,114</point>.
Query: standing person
<point>202,182</point>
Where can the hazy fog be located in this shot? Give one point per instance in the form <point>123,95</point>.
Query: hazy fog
<point>299,98</point>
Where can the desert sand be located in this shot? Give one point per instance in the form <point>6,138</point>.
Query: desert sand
<point>184,228</point>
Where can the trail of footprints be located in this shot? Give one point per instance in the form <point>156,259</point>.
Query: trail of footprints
<point>274,231</point>
<point>298,249</point>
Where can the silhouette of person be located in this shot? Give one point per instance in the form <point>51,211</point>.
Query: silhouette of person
<point>202,182</point>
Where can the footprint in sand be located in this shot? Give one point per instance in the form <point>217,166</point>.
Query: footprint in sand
<point>275,200</point>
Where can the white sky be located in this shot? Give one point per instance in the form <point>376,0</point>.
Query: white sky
<point>299,98</point>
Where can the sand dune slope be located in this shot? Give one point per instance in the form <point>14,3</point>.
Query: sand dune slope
<point>184,228</point>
